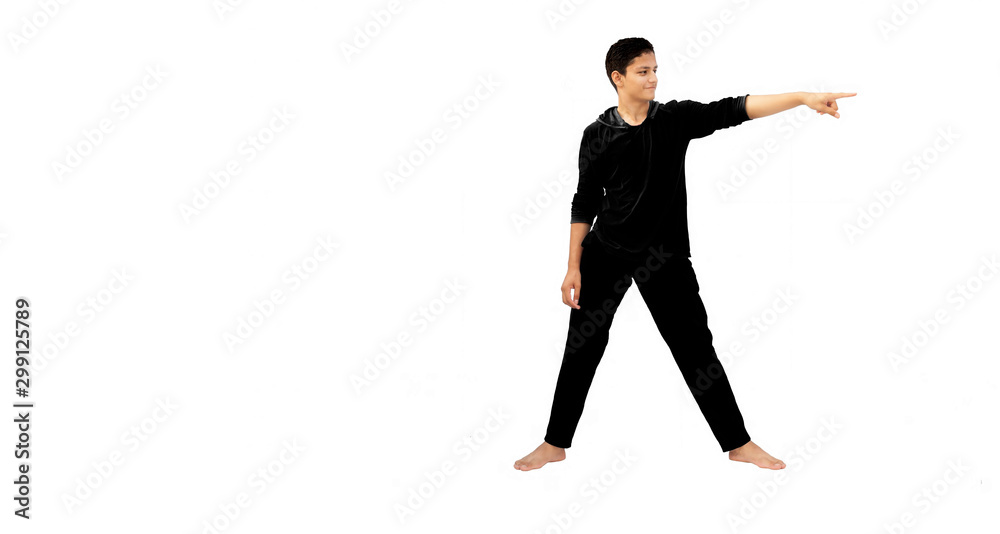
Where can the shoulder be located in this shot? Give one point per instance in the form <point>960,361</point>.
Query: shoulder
<point>670,107</point>
<point>592,130</point>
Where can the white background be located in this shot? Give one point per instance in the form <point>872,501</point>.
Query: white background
<point>496,346</point>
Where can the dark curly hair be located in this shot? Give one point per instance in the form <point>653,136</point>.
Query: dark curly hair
<point>622,53</point>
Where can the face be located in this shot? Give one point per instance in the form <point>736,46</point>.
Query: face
<point>640,83</point>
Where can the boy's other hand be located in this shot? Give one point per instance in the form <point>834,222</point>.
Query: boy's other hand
<point>572,281</point>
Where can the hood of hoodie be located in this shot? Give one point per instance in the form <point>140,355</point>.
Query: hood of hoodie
<point>611,118</point>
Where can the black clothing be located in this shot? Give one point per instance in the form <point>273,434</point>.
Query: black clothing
<point>670,289</point>
<point>632,177</point>
<point>632,180</point>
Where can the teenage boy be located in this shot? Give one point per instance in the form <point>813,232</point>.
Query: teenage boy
<point>632,179</point>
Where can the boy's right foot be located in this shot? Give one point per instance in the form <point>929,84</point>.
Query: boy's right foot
<point>542,455</point>
<point>751,453</point>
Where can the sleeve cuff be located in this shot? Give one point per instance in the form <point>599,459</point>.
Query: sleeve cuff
<point>742,102</point>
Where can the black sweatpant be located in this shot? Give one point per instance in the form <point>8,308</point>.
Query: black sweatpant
<point>670,289</point>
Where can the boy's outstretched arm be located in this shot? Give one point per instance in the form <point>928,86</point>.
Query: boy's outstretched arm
<point>763,105</point>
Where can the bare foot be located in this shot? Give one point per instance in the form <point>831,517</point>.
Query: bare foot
<point>753,454</point>
<point>542,455</point>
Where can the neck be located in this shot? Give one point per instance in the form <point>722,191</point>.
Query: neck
<point>632,110</point>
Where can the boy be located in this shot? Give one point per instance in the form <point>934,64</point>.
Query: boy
<point>632,179</point>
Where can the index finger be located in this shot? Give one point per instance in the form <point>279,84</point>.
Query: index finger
<point>843,95</point>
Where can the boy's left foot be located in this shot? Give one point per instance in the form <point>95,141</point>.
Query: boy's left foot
<point>542,455</point>
<point>753,454</point>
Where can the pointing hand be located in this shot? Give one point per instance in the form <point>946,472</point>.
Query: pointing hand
<point>825,102</point>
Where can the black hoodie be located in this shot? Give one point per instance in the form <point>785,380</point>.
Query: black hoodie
<point>632,177</point>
